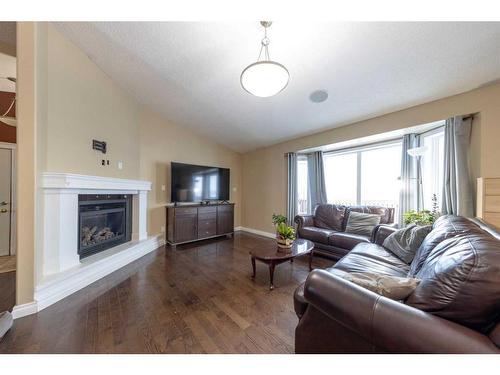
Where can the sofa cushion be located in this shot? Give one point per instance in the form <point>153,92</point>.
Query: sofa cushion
<point>386,214</point>
<point>461,281</point>
<point>405,242</point>
<point>316,234</point>
<point>393,287</point>
<point>445,227</point>
<point>361,223</point>
<point>329,216</point>
<point>347,240</point>
<point>369,257</point>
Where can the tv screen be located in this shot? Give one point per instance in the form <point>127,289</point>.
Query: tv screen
<point>196,183</point>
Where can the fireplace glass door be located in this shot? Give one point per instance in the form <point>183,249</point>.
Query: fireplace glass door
<point>103,224</point>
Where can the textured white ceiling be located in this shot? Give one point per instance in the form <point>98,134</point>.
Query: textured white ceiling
<point>189,71</point>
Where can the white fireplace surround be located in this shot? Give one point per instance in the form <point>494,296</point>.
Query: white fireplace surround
<point>61,272</point>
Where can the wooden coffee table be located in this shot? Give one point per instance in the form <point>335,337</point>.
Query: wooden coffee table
<point>272,255</point>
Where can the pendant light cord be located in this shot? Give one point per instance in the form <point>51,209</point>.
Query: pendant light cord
<point>264,45</point>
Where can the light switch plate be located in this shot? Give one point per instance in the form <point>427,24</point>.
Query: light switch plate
<point>162,187</point>
<point>120,165</point>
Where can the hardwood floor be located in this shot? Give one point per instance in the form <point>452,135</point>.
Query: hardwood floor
<point>198,298</point>
<point>7,263</point>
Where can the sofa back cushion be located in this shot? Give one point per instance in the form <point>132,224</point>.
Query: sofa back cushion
<point>361,223</point>
<point>445,227</point>
<point>461,281</point>
<point>329,216</point>
<point>386,214</point>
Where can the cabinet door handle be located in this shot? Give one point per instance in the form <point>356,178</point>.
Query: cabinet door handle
<point>3,211</point>
<point>4,203</point>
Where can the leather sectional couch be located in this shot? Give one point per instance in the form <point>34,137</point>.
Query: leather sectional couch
<point>454,309</point>
<point>326,228</point>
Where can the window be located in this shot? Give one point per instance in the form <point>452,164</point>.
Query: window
<point>302,185</point>
<point>364,176</point>
<point>380,172</point>
<point>341,178</point>
<point>432,166</point>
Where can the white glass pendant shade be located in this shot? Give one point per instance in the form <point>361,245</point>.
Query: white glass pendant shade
<point>264,78</point>
<point>417,151</point>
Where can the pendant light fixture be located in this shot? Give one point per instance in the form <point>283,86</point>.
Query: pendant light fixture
<point>265,77</point>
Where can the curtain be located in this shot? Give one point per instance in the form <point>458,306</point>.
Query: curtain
<point>411,189</point>
<point>316,180</point>
<point>457,196</point>
<point>291,207</point>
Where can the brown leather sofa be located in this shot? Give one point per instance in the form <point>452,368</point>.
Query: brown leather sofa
<point>326,228</point>
<point>455,308</point>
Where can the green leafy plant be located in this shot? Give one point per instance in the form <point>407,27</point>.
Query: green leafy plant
<point>424,217</point>
<point>285,232</point>
<point>278,219</point>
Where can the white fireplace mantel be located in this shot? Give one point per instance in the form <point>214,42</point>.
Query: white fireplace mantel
<point>61,272</point>
<point>78,181</point>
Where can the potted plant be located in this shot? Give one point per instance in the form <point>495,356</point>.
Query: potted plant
<point>277,219</point>
<point>424,217</point>
<point>285,235</point>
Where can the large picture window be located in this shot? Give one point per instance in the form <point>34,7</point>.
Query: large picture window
<point>364,176</point>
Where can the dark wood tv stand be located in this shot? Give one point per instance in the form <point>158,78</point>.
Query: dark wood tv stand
<point>194,222</point>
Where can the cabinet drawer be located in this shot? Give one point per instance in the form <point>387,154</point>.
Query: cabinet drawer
<point>206,210</point>
<point>186,211</point>
<point>225,208</point>
<point>207,227</point>
<point>207,216</point>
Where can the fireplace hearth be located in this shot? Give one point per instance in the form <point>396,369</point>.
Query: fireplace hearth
<point>104,221</point>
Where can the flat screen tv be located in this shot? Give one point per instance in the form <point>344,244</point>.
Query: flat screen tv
<point>196,183</point>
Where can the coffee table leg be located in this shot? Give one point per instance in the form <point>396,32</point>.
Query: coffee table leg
<point>253,268</point>
<point>271,275</point>
<point>310,261</point>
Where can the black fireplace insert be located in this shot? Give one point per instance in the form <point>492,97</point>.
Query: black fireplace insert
<point>104,221</point>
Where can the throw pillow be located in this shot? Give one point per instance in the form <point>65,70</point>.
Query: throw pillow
<point>361,223</point>
<point>405,242</point>
<point>393,287</point>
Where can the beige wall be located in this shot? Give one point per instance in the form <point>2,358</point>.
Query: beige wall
<point>264,176</point>
<point>26,161</point>
<point>161,143</point>
<point>84,104</point>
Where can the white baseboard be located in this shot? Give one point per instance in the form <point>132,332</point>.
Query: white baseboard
<point>54,288</point>
<point>25,309</point>
<point>256,231</point>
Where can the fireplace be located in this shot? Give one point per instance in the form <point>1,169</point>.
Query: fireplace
<point>104,221</point>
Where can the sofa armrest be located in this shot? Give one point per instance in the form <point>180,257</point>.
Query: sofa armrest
<point>389,325</point>
<point>304,221</point>
<point>381,232</point>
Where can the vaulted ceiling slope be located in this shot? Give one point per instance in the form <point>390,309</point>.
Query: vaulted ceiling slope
<point>189,72</point>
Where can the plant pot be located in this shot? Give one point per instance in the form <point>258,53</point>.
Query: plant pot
<point>284,243</point>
